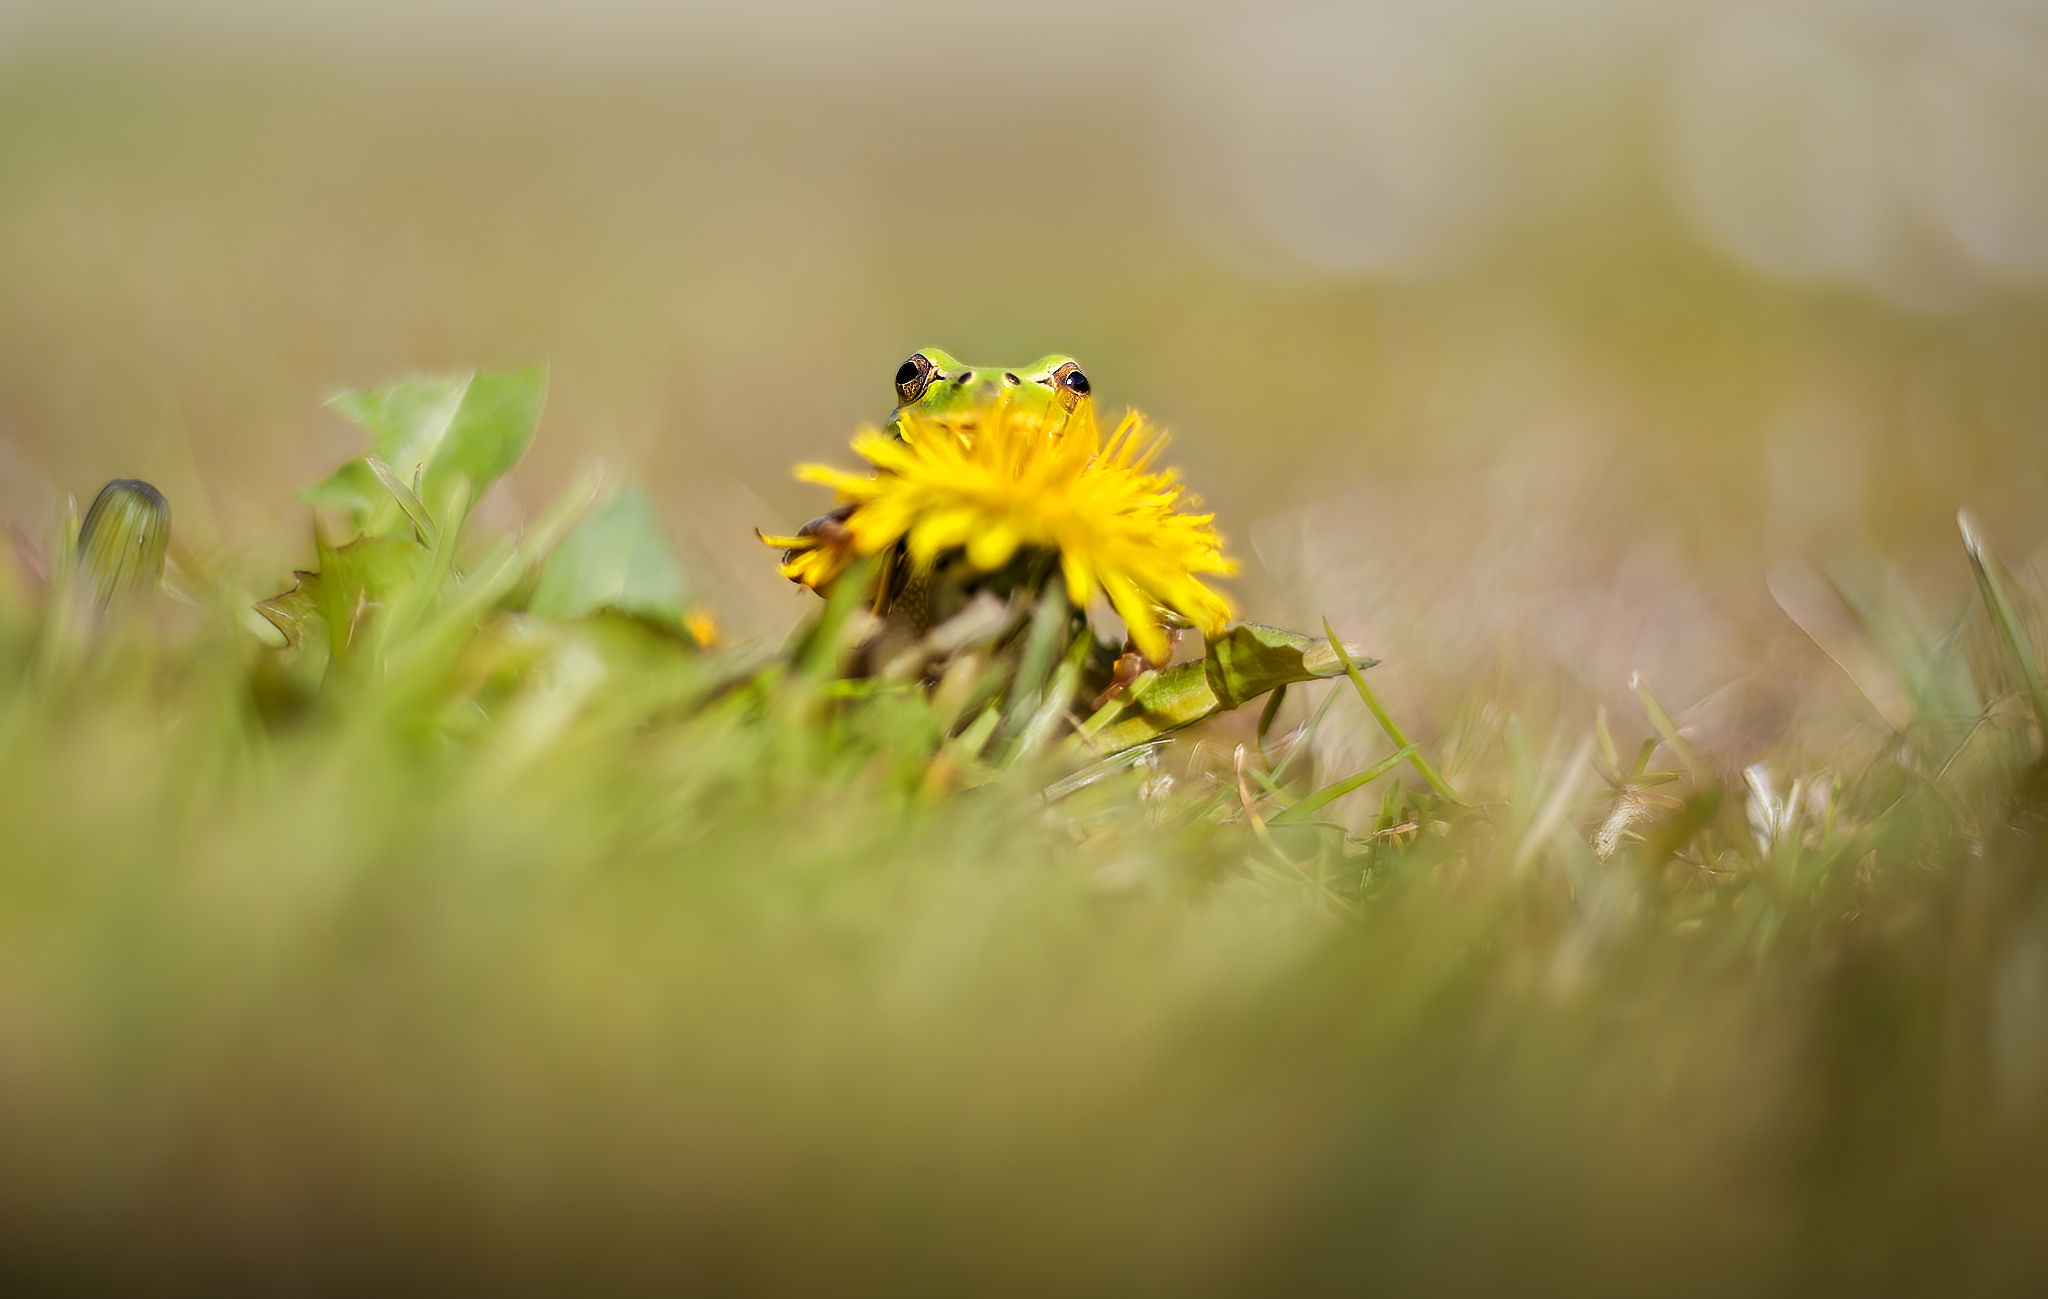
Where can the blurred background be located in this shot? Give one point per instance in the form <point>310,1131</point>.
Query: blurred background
<point>1554,339</point>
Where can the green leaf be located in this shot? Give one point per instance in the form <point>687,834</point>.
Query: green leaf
<point>1052,707</point>
<point>1246,661</point>
<point>1250,658</point>
<point>1042,644</point>
<point>824,646</point>
<point>618,557</point>
<point>432,431</point>
<point>323,612</point>
<point>491,430</point>
<point>407,422</point>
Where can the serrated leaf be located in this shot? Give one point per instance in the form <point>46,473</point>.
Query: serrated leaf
<point>322,612</point>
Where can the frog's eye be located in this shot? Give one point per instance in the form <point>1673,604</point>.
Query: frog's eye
<point>913,377</point>
<point>1069,377</point>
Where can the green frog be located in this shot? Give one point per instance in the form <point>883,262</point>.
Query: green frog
<point>931,382</point>
<point>934,383</point>
<point>1149,698</point>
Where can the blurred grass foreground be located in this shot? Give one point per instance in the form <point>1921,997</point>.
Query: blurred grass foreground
<point>528,895</point>
<point>473,915</point>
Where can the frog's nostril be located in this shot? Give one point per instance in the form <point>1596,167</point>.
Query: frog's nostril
<point>1009,378</point>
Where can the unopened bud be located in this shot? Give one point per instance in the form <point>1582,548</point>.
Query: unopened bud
<point>122,543</point>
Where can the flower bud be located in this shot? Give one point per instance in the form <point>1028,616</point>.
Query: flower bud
<point>121,544</point>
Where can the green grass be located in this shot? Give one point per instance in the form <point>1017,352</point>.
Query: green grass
<point>515,938</point>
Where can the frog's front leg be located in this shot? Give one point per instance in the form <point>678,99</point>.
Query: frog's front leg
<point>830,525</point>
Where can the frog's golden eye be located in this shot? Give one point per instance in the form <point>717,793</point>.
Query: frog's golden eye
<point>1069,377</point>
<point>913,377</point>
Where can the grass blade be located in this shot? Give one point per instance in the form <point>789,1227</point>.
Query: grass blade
<point>1331,792</point>
<point>1386,721</point>
<point>408,500</point>
<point>1660,720</point>
<point>2005,617</point>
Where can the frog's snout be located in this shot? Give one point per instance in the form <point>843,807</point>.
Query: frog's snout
<point>980,386</point>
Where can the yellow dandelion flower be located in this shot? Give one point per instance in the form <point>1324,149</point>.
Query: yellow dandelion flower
<point>1010,478</point>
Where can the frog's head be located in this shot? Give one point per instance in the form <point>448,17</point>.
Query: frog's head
<point>931,382</point>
